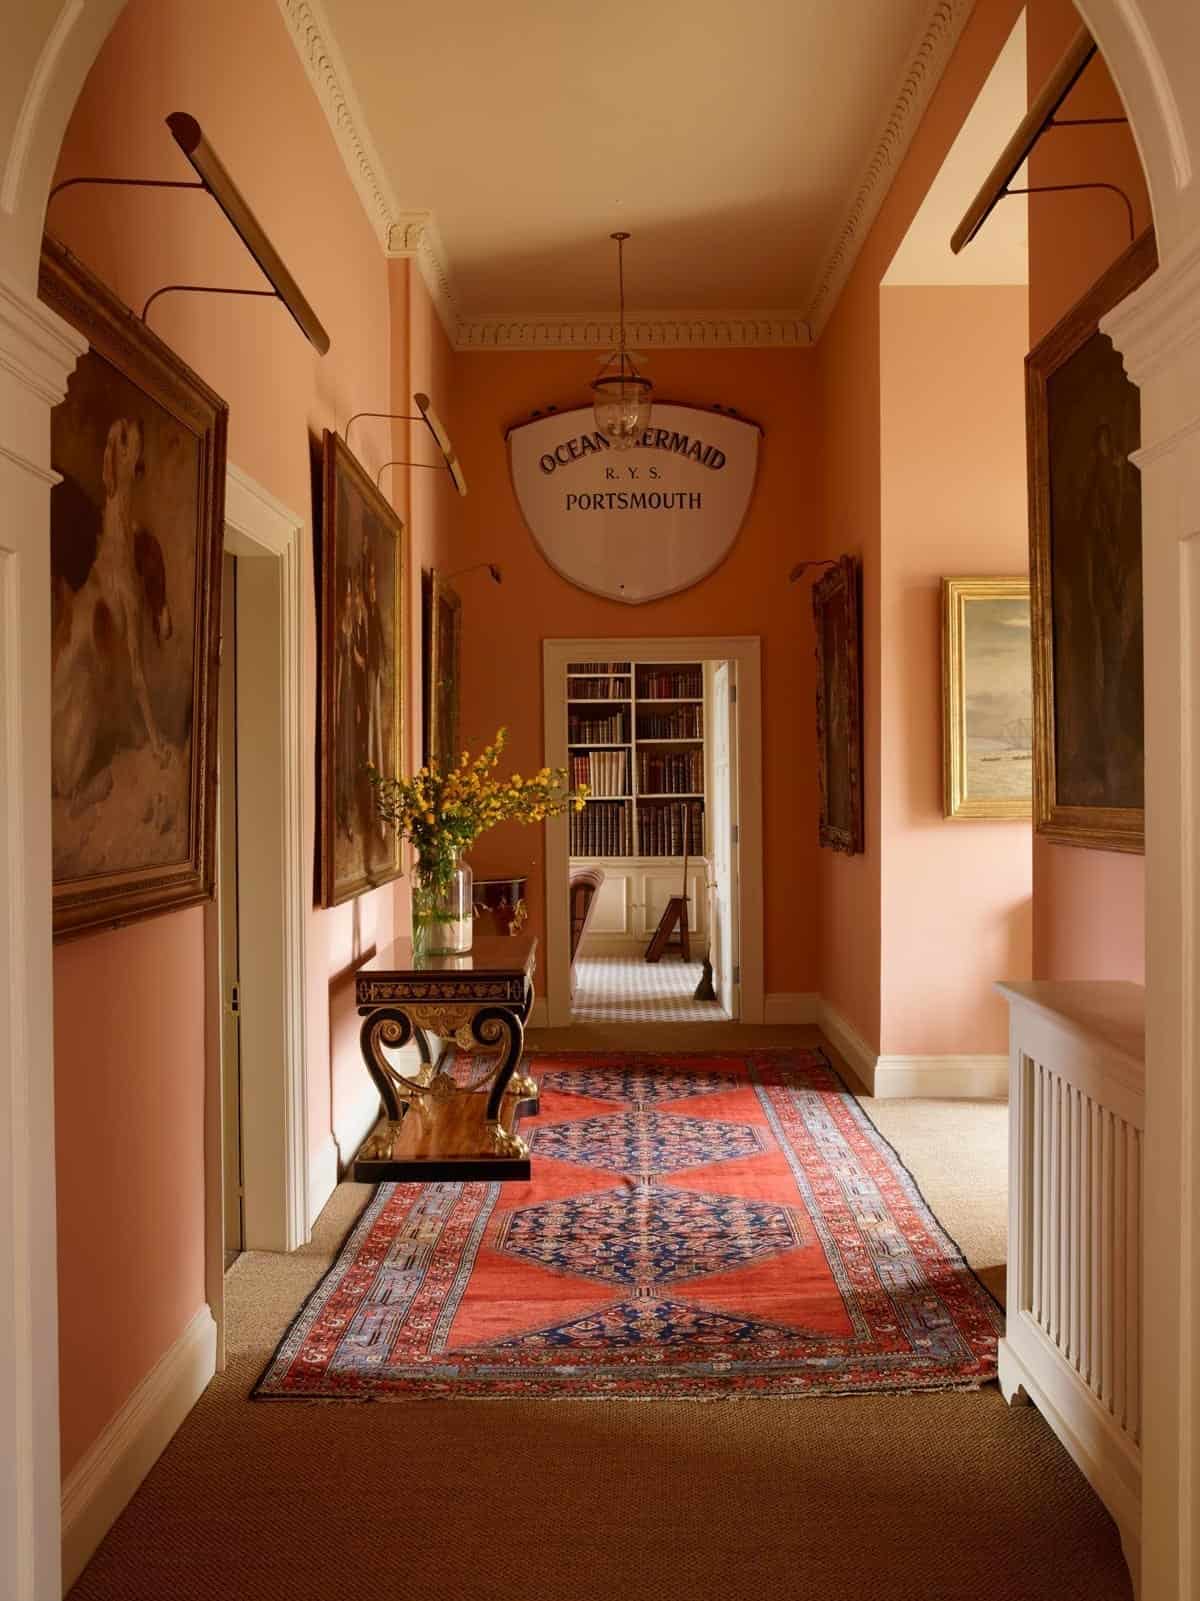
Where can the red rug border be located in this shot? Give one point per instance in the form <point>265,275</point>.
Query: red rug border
<point>832,1393</point>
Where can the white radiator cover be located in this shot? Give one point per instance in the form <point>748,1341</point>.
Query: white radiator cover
<point>1076,1119</point>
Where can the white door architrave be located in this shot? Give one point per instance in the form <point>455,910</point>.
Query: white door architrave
<point>1150,48</point>
<point>745,652</point>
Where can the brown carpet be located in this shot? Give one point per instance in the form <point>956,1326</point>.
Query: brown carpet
<point>943,1497</point>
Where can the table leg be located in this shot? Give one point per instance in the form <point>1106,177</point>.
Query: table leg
<point>491,1026</point>
<point>388,1026</point>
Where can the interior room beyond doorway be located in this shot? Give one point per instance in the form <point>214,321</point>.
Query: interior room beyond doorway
<point>654,859</point>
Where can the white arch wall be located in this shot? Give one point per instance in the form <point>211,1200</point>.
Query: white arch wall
<point>1153,50</point>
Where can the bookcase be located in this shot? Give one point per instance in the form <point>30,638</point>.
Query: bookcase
<point>636,736</point>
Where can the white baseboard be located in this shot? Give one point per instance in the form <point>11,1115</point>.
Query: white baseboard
<point>102,1483</point>
<point>803,1007</point>
<point>848,1042</point>
<point>942,1077</point>
<point>322,1177</point>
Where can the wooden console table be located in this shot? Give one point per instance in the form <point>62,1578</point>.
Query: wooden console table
<point>434,1126</point>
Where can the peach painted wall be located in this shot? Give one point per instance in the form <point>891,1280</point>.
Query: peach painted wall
<point>956,895</point>
<point>848,357</point>
<point>129,1037</point>
<point>748,594</point>
<point>1089,906</point>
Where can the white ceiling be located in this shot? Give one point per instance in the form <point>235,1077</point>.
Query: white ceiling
<point>729,140</point>
<point>999,254</point>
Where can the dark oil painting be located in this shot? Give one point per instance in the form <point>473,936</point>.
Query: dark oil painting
<point>363,674</point>
<point>135,542</point>
<point>836,617</point>
<point>1085,535</point>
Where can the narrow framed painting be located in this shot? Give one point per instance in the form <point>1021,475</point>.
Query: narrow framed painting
<point>136,536</point>
<point>837,615</point>
<point>1085,532</point>
<point>362,675</point>
<point>441,660</point>
<point>987,698</point>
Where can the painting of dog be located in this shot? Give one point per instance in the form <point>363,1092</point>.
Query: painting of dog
<point>136,527</point>
<point>363,674</point>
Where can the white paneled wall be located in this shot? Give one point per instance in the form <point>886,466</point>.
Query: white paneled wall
<point>1073,1344</point>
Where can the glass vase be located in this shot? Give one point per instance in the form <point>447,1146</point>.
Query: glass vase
<point>442,911</point>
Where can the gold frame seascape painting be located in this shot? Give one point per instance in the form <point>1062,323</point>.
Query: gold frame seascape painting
<point>363,674</point>
<point>987,698</point>
<point>1085,549</point>
<point>136,532</point>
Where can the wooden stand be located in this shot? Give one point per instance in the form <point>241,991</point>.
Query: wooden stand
<point>676,912</point>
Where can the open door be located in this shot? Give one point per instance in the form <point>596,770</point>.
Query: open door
<point>723,836</point>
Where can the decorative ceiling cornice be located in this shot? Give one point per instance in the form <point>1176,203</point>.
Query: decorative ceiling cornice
<point>933,50</point>
<point>401,233</point>
<point>661,330</point>
<point>414,235</point>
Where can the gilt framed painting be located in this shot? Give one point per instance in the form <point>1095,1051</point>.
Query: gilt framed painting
<point>1085,529</point>
<point>136,534</point>
<point>987,698</point>
<point>363,559</point>
<point>837,615</point>
<point>440,666</point>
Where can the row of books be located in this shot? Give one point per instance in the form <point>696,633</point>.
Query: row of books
<point>676,683</point>
<point>598,667</point>
<point>671,828</point>
<point>683,723</point>
<point>605,772</point>
<point>682,772</point>
<point>598,689</point>
<point>603,828</point>
<point>610,730</point>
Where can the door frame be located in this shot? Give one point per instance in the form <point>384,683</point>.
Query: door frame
<point>745,651</point>
<point>266,538</point>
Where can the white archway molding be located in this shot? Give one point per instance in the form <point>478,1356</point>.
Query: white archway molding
<point>73,31</point>
<point>1152,50</point>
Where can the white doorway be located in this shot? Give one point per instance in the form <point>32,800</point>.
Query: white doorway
<point>256,1095</point>
<point>699,786</point>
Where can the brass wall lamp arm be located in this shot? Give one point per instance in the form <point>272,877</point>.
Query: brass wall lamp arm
<point>204,289</point>
<point>433,422</point>
<point>802,567</point>
<point>434,467</point>
<point>213,177</point>
<point>1060,188</point>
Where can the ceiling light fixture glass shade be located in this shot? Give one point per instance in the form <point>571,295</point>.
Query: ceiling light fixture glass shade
<point>622,396</point>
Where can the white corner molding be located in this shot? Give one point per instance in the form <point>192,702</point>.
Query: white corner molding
<point>926,64</point>
<point>782,1009</point>
<point>414,236</point>
<point>979,1078</point>
<point>322,1177</point>
<point>101,1485</point>
<point>650,330</point>
<point>848,1043</point>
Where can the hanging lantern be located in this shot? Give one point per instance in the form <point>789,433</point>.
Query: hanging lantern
<point>622,396</point>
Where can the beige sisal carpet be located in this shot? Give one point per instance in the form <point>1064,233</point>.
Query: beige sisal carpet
<point>944,1497</point>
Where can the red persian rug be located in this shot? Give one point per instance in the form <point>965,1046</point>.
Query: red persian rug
<point>704,1226</point>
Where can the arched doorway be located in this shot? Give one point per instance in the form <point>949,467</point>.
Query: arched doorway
<point>1150,52</point>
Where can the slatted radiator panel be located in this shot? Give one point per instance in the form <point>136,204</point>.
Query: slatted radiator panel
<point>1076,1092</point>
<point>1082,1233</point>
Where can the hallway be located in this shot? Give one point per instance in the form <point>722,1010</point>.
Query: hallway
<point>934,1497</point>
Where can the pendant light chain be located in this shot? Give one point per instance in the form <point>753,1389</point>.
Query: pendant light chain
<point>622,396</point>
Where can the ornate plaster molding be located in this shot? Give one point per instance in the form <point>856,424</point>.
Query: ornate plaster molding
<point>933,50</point>
<point>652,330</point>
<point>414,234</point>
